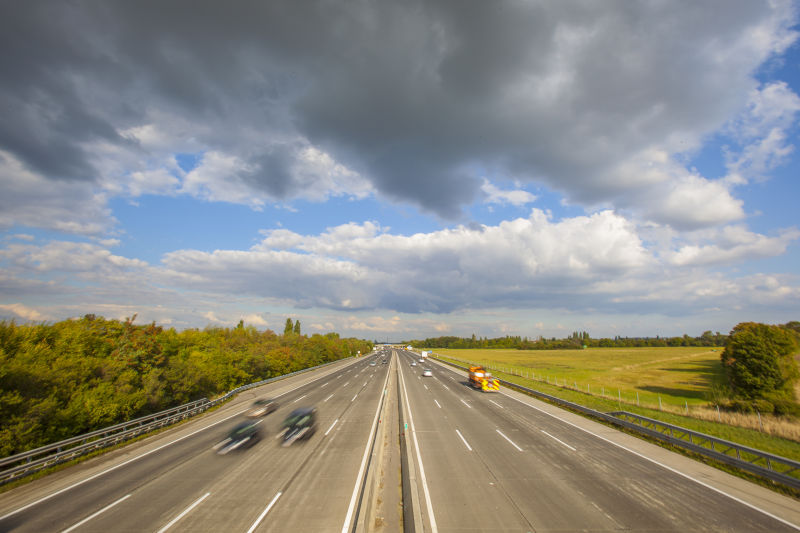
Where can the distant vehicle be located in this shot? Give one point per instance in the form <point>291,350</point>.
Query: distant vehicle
<point>424,354</point>
<point>301,424</point>
<point>413,363</point>
<point>483,380</point>
<point>372,363</point>
<point>262,407</point>
<point>384,361</point>
<point>243,435</point>
<point>427,373</point>
<point>421,360</point>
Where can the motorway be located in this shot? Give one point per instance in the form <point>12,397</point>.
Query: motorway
<point>474,462</point>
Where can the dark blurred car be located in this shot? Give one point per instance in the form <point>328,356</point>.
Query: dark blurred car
<point>243,435</point>
<point>301,424</point>
<point>262,407</point>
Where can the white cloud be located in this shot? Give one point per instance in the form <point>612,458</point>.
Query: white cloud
<point>495,195</point>
<point>158,181</point>
<point>692,201</point>
<point>23,311</point>
<point>254,319</point>
<point>30,199</point>
<point>732,245</point>
<point>762,132</point>
<point>218,178</point>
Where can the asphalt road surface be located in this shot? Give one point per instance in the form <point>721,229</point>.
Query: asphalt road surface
<point>475,462</point>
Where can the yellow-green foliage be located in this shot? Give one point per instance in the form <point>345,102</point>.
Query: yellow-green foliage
<point>68,378</point>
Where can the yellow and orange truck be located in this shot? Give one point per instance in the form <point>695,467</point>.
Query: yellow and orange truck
<point>480,379</point>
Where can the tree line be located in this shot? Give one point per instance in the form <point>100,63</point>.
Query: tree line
<point>760,360</point>
<point>71,377</point>
<point>576,341</point>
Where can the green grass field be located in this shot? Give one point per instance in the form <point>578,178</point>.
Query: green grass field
<point>678,376</point>
<point>681,377</point>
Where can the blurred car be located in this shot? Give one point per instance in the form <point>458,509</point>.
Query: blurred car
<point>413,363</point>
<point>372,363</point>
<point>262,407</point>
<point>243,435</point>
<point>301,424</point>
<point>427,373</point>
<point>421,360</point>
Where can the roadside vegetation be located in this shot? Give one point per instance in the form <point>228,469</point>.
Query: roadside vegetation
<point>745,391</point>
<point>780,435</point>
<point>71,377</point>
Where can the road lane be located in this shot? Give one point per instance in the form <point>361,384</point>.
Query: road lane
<point>490,462</point>
<point>551,475</point>
<point>162,485</point>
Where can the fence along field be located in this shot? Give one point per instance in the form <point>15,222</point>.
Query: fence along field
<point>677,380</point>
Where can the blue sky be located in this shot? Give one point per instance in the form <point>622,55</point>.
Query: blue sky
<point>398,171</point>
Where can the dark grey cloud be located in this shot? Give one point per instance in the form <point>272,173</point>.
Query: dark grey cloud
<point>419,97</point>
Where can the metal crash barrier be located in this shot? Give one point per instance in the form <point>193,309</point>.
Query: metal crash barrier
<point>26,463</point>
<point>773,467</point>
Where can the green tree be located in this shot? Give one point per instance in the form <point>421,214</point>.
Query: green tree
<point>287,329</point>
<point>759,363</point>
<point>297,327</point>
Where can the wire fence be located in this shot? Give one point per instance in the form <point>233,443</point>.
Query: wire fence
<point>770,466</point>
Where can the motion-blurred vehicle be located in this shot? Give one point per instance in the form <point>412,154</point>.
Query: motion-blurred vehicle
<point>243,435</point>
<point>421,360</point>
<point>427,373</point>
<point>480,379</point>
<point>372,363</point>
<point>413,363</point>
<point>262,407</point>
<point>301,424</point>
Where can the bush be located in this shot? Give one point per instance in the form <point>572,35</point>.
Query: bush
<point>759,362</point>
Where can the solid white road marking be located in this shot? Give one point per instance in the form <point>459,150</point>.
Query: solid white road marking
<point>328,398</point>
<point>464,440</point>
<point>300,398</point>
<point>359,478</point>
<point>497,404</point>
<point>101,511</point>
<point>673,470</point>
<point>260,518</point>
<point>422,477</point>
<point>558,440</point>
<point>185,512</point>
<point>437,403</point>
<point>465,403</point>
<point>509,440</point>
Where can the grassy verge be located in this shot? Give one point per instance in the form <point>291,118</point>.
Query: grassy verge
<point>759,440</point>
<point>744,436</point>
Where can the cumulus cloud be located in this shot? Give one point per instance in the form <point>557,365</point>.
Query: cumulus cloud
<point>732,244</point>
<point>321,99</point>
